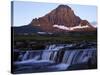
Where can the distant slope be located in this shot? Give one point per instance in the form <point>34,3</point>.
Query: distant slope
<point>26,29</point>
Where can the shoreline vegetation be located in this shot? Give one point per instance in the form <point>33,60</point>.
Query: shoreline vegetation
<point>38,41</point>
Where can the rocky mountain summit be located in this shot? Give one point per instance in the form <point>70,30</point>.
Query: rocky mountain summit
<point>61,19</point>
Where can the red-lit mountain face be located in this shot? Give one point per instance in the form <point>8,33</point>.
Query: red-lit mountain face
<point>62,19</point>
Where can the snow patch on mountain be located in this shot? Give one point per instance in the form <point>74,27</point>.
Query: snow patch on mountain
<point>61,27</point>
<point>70,28</point>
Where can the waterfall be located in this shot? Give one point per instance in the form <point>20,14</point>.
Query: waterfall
<point>46,55</point>
<point>25,56</point>
<point>51,51</point>
<point>66,56</point>
<point>71,56</point>
<point>56,54</point>
<point>86,55</point>
<point>31,55</point>
<point>50,47</point>
<point>56,57</point>
<point>78,56</point>
<point>53,56</point>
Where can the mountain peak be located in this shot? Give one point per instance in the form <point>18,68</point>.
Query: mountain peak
<point>63,6</point>
<point>63,15</point>
<point>63,10</point>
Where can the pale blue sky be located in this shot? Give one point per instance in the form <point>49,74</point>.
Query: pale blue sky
<point>24,12</point>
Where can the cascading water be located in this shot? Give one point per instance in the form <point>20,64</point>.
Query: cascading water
<point>25,56</point>
<point>62,58</point>
<point>50,52</point>
<point>78,56</point>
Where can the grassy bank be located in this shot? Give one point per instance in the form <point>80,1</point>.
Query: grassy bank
<point>55,38</point>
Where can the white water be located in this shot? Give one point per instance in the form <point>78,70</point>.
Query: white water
<point>50,54</point>
<point>25,56</point>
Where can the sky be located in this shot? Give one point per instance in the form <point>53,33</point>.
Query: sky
<point>24,12</point>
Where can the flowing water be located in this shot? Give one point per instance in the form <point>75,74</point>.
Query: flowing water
<point>57,55</point>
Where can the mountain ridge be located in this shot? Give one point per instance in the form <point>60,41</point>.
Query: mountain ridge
<point>61,19</point>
